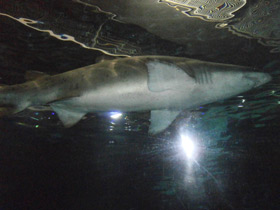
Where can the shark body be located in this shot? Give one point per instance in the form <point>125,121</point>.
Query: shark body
<point>163,84</point>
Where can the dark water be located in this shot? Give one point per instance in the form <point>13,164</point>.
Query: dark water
<point>106,163</point>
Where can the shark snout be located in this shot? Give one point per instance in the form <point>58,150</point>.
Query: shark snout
<point>258,78</point>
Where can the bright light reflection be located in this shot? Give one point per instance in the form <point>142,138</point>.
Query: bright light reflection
<point>188,146</point>
<point>115,115</point>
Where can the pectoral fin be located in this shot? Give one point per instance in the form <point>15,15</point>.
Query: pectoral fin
<point>67,116</point>
<point>161,119</point>
<point>163,76</point>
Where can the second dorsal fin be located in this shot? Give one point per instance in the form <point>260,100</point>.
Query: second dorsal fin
<point>32,75</point>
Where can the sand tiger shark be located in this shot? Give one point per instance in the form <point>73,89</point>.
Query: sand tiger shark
<point>163,85</point>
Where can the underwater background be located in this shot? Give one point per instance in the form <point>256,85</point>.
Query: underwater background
<point>108,160</point>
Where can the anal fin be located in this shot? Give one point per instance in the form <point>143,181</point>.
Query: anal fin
<point>67,116</point>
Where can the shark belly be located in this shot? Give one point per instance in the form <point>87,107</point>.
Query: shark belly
<point>125,97</point>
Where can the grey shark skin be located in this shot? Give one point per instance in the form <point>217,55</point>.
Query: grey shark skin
<point>165,85</point>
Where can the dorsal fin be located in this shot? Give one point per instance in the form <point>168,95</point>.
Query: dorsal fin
<point>32,75</point>
<point>104,57</point>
